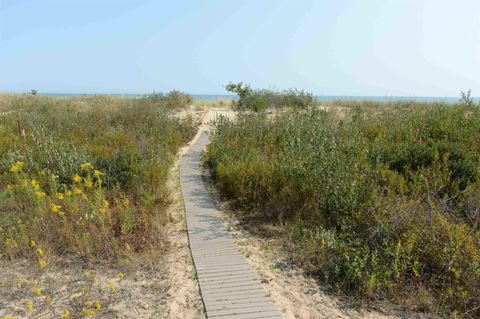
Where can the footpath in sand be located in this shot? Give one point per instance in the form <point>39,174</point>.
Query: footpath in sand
<point>229,287</point>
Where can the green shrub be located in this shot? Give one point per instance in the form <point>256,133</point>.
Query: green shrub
<point>261,100</point>
<point>379,203</point>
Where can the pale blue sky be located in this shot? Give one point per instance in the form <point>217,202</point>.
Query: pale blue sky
<point>334,47</point>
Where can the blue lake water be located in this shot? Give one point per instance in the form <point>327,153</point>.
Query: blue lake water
<point>212,97</point>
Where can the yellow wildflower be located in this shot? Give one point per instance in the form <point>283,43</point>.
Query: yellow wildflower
<point>78,191</point>
<point>40,195</point>
<point>55,208</point>
<point>125,202</point>
<point>42,263</point>
<point>61,214</point>
<point>20,282</point>
<point>86,165</point>
<point>40,252</point>
<point>48,299</point>
<point>98,305</point>
<point>60,196</point>
<point>8,317</point>
<point>8,241</point>
<point>76,178</point>
<point>120,275</point>
<point>35,184</point>
<point>29,305</point>
<point>112,286</point>
<point>33,243</point>
<point>37,291</point>
<point>97,173</point>
<point>66,314</point>
<point>17,167</point>
<point>104,207</point>
<point>128,247</point>
<point>19,221</point>
<point>88,312</point>
<point>15,244</point>
<point>88,183</point>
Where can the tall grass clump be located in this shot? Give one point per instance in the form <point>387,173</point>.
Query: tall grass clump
<point>84,175</point>
<point>172,100</point>
<point>378,204</point>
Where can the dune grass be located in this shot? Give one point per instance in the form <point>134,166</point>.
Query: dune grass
<point>85,176</point>
<point>380,201</point>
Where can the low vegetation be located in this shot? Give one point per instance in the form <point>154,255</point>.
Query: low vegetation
<point>173,100</point>
<point>261,100</point>
<point>379,201</point>
<point>86,176</point>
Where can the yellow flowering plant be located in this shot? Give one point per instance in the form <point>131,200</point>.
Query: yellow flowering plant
<point>17,167</point>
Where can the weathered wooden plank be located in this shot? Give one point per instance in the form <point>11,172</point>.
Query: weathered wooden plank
<point>226,273</point>
<point>236,304</point>
<point>229,278</point>
<point>220,285</point>
<point>257,315</point>
<point>257,309</point>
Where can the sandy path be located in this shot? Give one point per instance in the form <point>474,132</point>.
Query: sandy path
<point>184,300</point>
<point>228,284</point>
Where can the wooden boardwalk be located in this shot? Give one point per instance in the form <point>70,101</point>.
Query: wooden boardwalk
<point>229,287</point>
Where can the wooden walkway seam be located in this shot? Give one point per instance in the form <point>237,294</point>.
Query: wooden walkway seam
<point>228,285</point>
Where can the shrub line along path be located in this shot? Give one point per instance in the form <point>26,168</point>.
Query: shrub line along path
<point>228,285</point>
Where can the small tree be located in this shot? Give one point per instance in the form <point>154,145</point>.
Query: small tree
<point>241,89</point>
<point>466,97</point>
<point>34,92</point>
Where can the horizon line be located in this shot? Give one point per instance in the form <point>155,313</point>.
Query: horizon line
<point>226,94</point>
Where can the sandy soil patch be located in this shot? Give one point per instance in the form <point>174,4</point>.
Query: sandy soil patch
<point>70,286</point>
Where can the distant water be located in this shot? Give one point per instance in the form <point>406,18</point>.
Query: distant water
<point>212,97</point>
<point>421,99</point>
